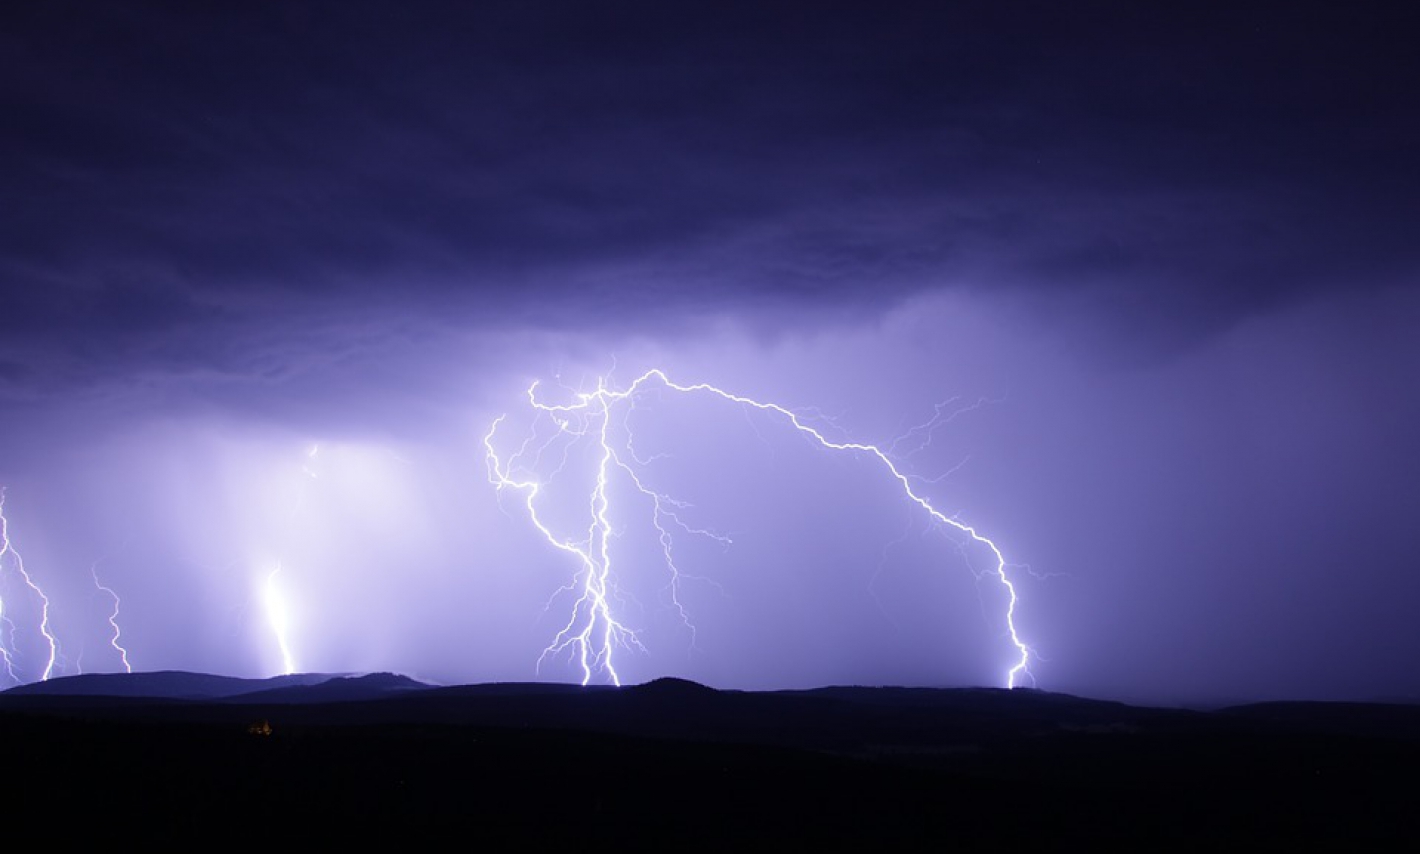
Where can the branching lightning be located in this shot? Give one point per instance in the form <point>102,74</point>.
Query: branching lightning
<point>593,634</point>
<point>7,650</point>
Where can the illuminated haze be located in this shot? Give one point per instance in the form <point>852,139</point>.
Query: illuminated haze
<point>1172,256</point>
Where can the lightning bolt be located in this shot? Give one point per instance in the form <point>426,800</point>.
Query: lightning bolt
<point>278,613</point>
<point>592,634</point>
<point>8,629</point>
<point>112,619</point>
<point>278,618</point>
<point>6,650</point>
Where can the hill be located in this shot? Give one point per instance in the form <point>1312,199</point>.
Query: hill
<point>382,758</point>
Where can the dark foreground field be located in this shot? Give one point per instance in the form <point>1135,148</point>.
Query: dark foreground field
<point>313,761</point>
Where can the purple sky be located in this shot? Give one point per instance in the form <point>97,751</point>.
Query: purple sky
<point>1175,253</point>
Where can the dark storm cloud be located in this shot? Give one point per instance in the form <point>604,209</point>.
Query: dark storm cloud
<point>1174,249</point>
<point>167,167</point>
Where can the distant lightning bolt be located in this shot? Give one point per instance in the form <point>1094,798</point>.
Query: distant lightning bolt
<point>113,619</point>
<point>7,640</point>
<point>278,614</point>
<point>277,618</point>
<point>593,634</point>
<point>6,548</point>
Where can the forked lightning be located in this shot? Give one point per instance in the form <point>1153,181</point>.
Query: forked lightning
<point>593,633</point>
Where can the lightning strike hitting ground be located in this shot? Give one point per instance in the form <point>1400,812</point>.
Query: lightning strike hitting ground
<point>7,640</point>
<point>277,617</point>
<point>113,620</point>
<point>7,651</point>
<point>593,634</point>
<point>278,613</point>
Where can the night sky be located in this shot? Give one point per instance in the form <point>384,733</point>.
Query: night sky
<point>1163,265</point>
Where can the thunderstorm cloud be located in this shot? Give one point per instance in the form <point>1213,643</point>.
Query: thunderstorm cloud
<point>1171,253</point>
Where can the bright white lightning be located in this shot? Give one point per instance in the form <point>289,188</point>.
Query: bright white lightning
<point>278,614</point>
<point>113,620</point>
<point>592,633</point>
<point>7,628</point>
<point>6,548</point>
